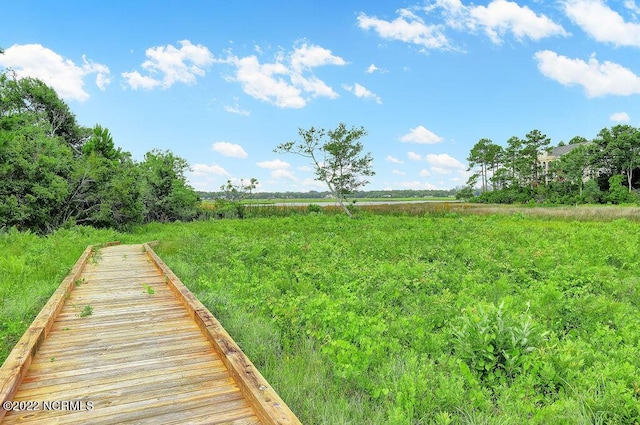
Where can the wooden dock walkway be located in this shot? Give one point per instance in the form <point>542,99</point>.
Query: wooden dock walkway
<point>123,341</point>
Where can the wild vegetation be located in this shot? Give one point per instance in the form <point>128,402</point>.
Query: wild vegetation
<point>603,170</point>
<point>337,158</point>
<point>442,318</point>
<point>54,172</point>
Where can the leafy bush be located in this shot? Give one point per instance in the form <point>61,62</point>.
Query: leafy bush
<point>314,208</point>
<point>618,192</point>
<point>591,193</point>
<point>495,346</point>
<point>228,209</point>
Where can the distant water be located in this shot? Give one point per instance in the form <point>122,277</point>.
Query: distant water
<point>333,203</point>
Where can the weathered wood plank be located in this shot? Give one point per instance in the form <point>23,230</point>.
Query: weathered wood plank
<point>145,353</point>
<point>84,347</point>
<point>136,411</point>
<point>139,357</point>
<point>230,413</point>
<point>115,312</point>
<point>269,406</point>
<point>17,363</point>
<point>114,334</point>
<point>216,371</point>
<point>125,375</point>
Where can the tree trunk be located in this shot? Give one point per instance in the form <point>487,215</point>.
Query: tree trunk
<point>344,207</point>
<point>338,196</point>
<point>484,176</point>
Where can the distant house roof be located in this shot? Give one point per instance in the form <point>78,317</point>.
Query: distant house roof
<point>561,150</point>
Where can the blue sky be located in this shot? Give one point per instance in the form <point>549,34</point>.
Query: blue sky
<point>221,83</point>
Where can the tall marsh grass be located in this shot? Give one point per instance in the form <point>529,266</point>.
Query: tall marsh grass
<point>443,208</point>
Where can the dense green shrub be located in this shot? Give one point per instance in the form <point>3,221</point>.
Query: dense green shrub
<point>496,346</point>
<point>56,173</point>
<point>314,208</point>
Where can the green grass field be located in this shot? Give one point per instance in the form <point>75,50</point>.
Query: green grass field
<point>447,318</point>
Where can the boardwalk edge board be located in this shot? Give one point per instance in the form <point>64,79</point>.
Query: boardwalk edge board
<point>270,408</point>
<point>268,405</point>
<point>18,361</point>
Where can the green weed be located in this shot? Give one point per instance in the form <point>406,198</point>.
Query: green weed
<point>495,345</point>
<point>381,299</point>
<point>95,256</point>
<point>416,316</point>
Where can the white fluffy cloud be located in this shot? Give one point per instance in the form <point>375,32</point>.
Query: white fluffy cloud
<point>288,81</point>
<point>235,109</point>
<point>441,170</point>
<point>204,170</point>
<point>414,156</point>
<point>501,17</point>
<point>279,169</point>
<point>444,161</point>
<point>263,82</point>
<point>167,65</point>
<point>632,6</point>
<point>394,160</point>
<point>424,173</point>
<point>602,23</point>
<point>620,117</point>
<point>307,57</point>
<point>597,78</point>
<point>408,27</point>
<point>362,92</point>
<point>283,174</point>
<point>138,81</point>
<point>399,173</point>
<point>371,69</point>
<point>276,164</point>
<point>229,149</point>
<point>421,135</point>
<point>497,19</point>
<point>66,78</point>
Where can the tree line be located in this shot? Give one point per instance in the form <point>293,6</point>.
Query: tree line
<point>605,169</point>
<point>55,172</point>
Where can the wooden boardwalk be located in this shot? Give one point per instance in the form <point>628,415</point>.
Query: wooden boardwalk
<point>123,341</point>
